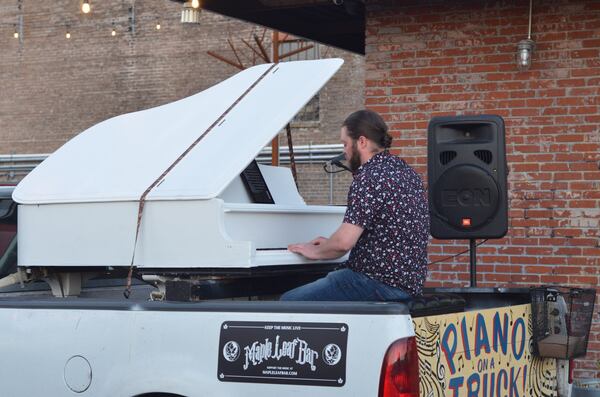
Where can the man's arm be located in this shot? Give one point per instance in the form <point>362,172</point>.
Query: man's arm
<point>333,247</point>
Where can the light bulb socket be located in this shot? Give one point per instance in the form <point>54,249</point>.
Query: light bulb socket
<point>189,14</point>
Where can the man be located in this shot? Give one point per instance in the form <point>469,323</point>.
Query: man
<point>385,227</point>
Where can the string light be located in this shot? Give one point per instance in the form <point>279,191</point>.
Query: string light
<point>86,7</point>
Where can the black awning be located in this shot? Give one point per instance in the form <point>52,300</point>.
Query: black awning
<point>339,23</point>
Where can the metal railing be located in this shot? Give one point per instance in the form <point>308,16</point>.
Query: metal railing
<point>13,165</point>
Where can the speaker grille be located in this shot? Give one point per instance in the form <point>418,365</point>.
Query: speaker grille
<point>484,155</point>
<point>447,156</point>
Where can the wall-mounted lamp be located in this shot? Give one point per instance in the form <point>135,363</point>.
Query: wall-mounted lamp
<point>191,12</point>
<point>525,47</point>
<point>86,7</point>
<point>16,33</point>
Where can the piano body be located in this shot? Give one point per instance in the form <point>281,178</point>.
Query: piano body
<point>192,164</point>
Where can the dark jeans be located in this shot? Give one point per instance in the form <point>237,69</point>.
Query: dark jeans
<point>346,285</point>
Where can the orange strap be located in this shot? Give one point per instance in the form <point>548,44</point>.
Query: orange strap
<point>158,180</point>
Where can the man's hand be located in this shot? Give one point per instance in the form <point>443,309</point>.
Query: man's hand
<point>318,241</point>
<point>307,250</point>
<point>336,246</point>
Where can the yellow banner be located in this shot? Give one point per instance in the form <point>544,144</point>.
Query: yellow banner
<point>483,353</point>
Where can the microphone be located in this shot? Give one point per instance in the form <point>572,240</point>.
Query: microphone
<point>337,161</point>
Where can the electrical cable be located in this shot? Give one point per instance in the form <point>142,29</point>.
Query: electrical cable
<point>455,255</point>
<point>332,172</point>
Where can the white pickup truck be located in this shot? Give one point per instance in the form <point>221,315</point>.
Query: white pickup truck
<point>472,342</point>
<point>180,205</point>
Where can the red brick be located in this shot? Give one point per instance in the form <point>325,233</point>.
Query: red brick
<point>583,110</point>
<point>571,101</point>
<point>554,279</point>
<point>585,72</point>
<point>569,138</point>
<point>568,176</point>
<point>554,167</point>
<point>584,280</point>
<point>538,251</point>
<point>539,269</point>
<point>568,251</point>
<point>556,92</point>
<point>592,53</point>
<point>571,83</point>
<point>584,34</point>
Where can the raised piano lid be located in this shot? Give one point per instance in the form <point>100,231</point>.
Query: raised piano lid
<point>118,159</point>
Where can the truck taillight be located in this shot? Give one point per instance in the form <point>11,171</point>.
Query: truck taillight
<point>571,365</point>
<point>400,370</point>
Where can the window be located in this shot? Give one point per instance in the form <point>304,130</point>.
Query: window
<point>310,112</point>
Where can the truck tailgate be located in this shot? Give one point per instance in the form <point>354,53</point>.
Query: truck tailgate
<point>101,348</point>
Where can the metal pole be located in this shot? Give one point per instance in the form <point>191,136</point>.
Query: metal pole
<point>330,188</point>
<point>473,261</point>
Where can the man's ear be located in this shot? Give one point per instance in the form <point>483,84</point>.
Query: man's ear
<point>363,142</point>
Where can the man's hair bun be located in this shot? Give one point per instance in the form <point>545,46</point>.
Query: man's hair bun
<point>386,140</point>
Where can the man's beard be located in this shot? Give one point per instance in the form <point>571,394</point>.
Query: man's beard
<point>354,160</point>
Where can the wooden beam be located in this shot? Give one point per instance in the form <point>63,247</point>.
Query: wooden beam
<point>296,51</point>
<point>256,51</point>
<point>227,61</point>
<point>261,47</point>
<point>235,53</point>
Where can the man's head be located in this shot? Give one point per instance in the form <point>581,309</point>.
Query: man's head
<point>364,134</point>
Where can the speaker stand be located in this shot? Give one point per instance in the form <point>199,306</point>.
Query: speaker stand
<point>473,261</point>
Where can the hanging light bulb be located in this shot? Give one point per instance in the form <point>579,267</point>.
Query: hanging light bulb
<point>86,7</point>
<point>68,34</point>
<point>113,32</point>
<point>526,47</point>
<point>157,24</point>
<point>195,3</point>
<point>16,33</point>
<point>524,53</point>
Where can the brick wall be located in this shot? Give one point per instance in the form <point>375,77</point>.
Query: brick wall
<point>434,58</point>
<point>52,88</point>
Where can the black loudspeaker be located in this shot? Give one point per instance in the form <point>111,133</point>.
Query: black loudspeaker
<point>466,167</point>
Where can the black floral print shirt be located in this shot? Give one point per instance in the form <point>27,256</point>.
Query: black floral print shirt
<point>388,201</point>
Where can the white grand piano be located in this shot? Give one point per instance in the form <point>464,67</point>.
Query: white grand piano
<point>79,208</point>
